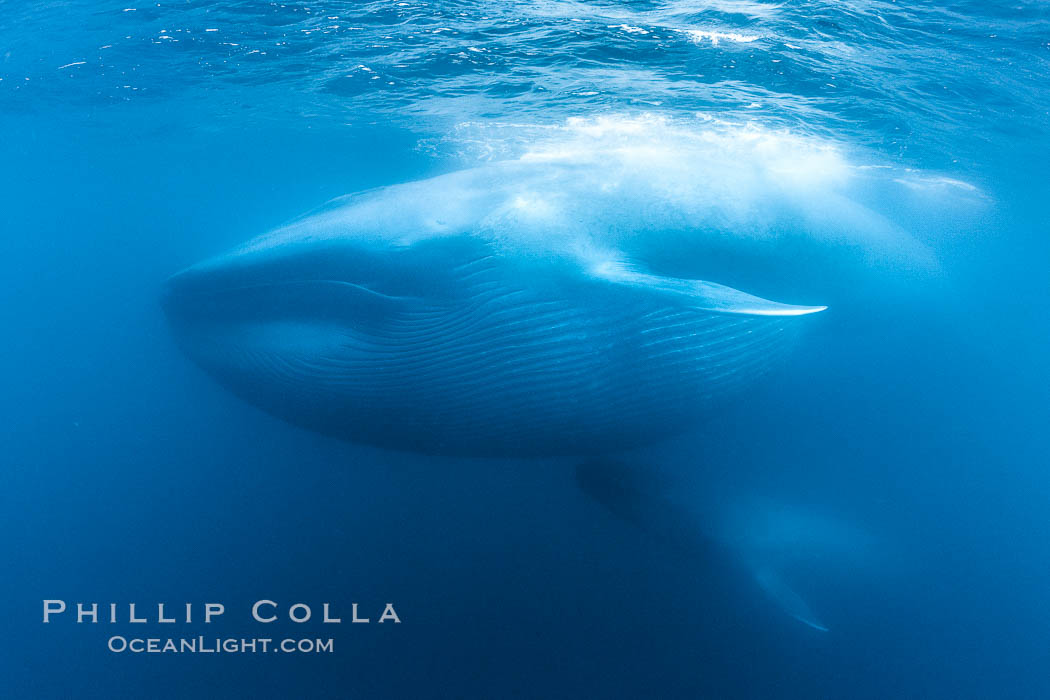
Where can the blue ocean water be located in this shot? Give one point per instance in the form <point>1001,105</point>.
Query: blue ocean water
<point>138,140</point>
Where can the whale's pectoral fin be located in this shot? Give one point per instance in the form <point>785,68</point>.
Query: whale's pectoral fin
<point>773,584</point>
<point>699,294</point>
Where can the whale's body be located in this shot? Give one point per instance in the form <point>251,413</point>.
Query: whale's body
<point>507,310</point>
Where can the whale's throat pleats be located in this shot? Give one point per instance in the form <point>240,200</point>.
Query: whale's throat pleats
<point>496,369</point>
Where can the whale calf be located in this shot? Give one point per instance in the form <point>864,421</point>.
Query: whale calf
<point>513,309</point>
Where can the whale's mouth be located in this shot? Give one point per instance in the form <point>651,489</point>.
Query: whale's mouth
<point>318,283</point>
<point>334,299</point>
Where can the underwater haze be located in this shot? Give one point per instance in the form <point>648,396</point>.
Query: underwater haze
<point>884,481</point>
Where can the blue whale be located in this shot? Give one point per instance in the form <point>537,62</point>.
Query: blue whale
<point>514,309</point>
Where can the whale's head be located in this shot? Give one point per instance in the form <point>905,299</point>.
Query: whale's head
<point>405,318</point>
<point>303,328</point>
